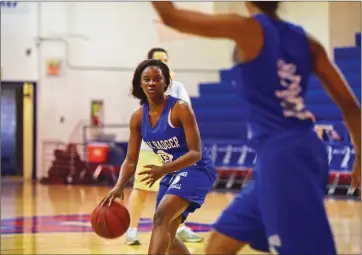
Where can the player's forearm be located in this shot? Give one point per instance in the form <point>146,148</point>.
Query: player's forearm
<point>352,118</point>
<point>189,159</point>
<point>128,169</point>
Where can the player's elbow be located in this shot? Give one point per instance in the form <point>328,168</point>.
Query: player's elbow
<point>196,155</point>
<point>167,19</point>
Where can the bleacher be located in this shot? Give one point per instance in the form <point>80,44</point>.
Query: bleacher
<point>219,114</point>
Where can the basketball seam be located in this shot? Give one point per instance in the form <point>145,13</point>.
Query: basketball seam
<point>107,230</point>
<point>109,227</point>
<point>120,218</point>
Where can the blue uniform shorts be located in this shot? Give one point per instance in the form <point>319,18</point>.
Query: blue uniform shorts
<point>190,184</point>
<point>282,209</point>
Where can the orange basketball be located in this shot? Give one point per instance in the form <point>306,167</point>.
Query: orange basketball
<point>110,221</point>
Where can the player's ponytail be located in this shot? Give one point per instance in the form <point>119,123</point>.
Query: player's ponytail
<point>137,90</point>
<point>270,8</point>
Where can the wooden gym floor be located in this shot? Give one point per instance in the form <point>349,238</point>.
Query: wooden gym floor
<point>38,219</point>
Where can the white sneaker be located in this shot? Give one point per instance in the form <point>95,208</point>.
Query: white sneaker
<point>188,236</point>
<point>132,237</point>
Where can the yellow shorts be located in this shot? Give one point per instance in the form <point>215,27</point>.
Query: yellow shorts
<point>146,158</point>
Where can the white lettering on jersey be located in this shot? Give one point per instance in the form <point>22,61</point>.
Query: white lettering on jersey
<point>175,182</point>
<point>291,101</point>
<point>165,144</point>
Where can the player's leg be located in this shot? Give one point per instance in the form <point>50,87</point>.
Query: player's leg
<point>139,194</point>
<point>136,205</point>
<point>169,209</point>
<point>291,186</point>
<point>184,191</point>
<point>177,247</point>
<point>218,243</point>
<point>239,224</point>
<point>186,234</point>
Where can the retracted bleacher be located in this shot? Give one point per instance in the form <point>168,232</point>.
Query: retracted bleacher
<point>226,135</point>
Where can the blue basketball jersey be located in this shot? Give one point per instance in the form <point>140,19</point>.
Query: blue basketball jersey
<point>167,141</point>
<point>274,84</point>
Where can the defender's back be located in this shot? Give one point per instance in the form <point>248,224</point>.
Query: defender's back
<point>274,84</point>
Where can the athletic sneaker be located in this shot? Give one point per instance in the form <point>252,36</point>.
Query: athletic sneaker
<point>132,238</point>
<point>188,236</point>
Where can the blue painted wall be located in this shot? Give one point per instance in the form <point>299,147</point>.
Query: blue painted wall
<point>8,131</point>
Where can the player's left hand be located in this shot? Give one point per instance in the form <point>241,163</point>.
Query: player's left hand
<point>152,175</point>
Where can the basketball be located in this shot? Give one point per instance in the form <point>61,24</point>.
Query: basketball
<point>110,221</point>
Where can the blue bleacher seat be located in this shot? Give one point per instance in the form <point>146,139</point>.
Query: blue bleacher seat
<point>353,78</point>
<point>358,39</point>
<point>208,89</point>
<point>347,53</point>
<point>223,130</point>
<point>316,99</point>
<point>322,93</point>
<point>226,75</point>
<point>220,113</point>
<point>326,112</point>
<point>349,65</point>
<point>220,101</point>
<point>204,115</point>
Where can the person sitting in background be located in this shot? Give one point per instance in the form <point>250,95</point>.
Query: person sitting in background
<point>140,190</point>
<point>327,133</point>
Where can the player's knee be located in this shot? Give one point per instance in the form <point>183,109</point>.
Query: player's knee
<point>210,248</point>
<point>141,194</point>
<point>160,218</point>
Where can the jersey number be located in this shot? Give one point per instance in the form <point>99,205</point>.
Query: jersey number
<point>166,157</point>
<point>291,101</point>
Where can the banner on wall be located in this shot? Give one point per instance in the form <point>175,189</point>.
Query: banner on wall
<point>97,117</point>
<point>54,67</point>
<point>14,7</point>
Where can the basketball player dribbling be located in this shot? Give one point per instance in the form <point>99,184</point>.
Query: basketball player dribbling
<point>168,125</point>
<point>140,190</point>
<point>282,210</point>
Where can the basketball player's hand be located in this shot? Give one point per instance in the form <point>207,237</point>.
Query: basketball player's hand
<point>112,195</point>
<point>152,175</point>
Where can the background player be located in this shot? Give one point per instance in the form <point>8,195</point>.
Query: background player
<point>168,125</point>
<point>140,190</point>
<point>282,211</point>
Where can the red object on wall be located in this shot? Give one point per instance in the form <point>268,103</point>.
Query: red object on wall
<point>95,121</point>
<point>97,153</point>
